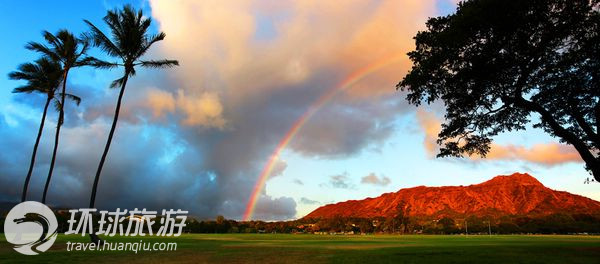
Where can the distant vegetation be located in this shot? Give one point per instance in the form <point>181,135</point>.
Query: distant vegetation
<point>550,224</point>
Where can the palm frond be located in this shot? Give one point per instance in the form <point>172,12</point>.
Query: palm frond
<point>72,97</point>
<point>117,83</point>
<point>25,71</point>
<point>42,76</point>
<point>129,41</point>
<point>113,20</point>
<point>102,41</point>
<point>18,76</point>
<point>63,47</point>
<point>54,40</point>
<point>25,89</point>
<point>57,105</point>
<point>97,63</point>
<point>67,46</point>
<point>148,42</point>
<point>85,44</point>
<point>143,22</point>
<point>159,63</point>
<point>41,48</point>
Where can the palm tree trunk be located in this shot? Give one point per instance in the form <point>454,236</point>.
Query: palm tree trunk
<point>61,117</point>
<point>94,238</point>
<point>108,141</point>
<point>35,147</point>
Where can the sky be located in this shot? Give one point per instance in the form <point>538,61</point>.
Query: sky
<point>197,136</point>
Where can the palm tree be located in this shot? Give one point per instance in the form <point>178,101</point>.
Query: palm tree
<point>130,41</point>
<point>70,52</point>
<point>42,76</point>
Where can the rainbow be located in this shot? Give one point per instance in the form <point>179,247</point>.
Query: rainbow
<point>321,101</point>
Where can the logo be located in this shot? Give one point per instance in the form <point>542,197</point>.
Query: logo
<point>30,227</point>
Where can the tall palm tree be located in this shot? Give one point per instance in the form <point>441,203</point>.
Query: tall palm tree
<point>130,41</point>
<point>70,51</point>
<point>42,76</point>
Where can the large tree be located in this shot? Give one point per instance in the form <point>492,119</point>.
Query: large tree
<point>70,52</point>
<point>130,42</point>
<point>498,65</point>
<point>43,76</point>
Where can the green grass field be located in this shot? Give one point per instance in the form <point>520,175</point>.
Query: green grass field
<point>286,248</point>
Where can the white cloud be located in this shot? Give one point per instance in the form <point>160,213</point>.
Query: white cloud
<point>547,154</point>
<point>374,180</point>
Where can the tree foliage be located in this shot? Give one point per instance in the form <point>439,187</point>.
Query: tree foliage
<point>498,65</point>
<point>130,41</point>
<point>43,76</point>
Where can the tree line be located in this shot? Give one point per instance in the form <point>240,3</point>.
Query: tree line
<point>551,224</point>
<point>559,223</point>
<point>127,42</point>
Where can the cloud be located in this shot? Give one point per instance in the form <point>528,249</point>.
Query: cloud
<point>197,136</point>
<point>282,208</point>
<point>431,126</point>
<point>305,200</point>
<point>265,82</point>
<point>203,110</point>
<point>297,181</point>
<point>297,64</point>
<point>160,102</point>
<point>547,154</point>
<point>342,130</point>
<point>278,168</point>
<point>339,181</point>
<point>374,180</point>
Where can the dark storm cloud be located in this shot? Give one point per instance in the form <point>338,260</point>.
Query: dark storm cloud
<point>163,163</point>
<point>343,129</point>
<point>282,208</point>
<point>159,164</point>
<point>150,165</point>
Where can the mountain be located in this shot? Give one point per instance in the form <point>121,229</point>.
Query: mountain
<point>516,194</point>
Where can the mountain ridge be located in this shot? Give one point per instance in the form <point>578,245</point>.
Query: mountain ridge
<point>515,194</point>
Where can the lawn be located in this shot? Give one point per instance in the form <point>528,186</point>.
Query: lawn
<point>286,248</point>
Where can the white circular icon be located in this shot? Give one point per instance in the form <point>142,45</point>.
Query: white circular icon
<point>30,227</point>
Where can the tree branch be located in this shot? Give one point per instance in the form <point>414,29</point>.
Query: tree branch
<point>589,131</point>
<point>563,133</point>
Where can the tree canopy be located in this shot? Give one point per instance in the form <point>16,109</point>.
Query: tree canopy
<point>498,65</point>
